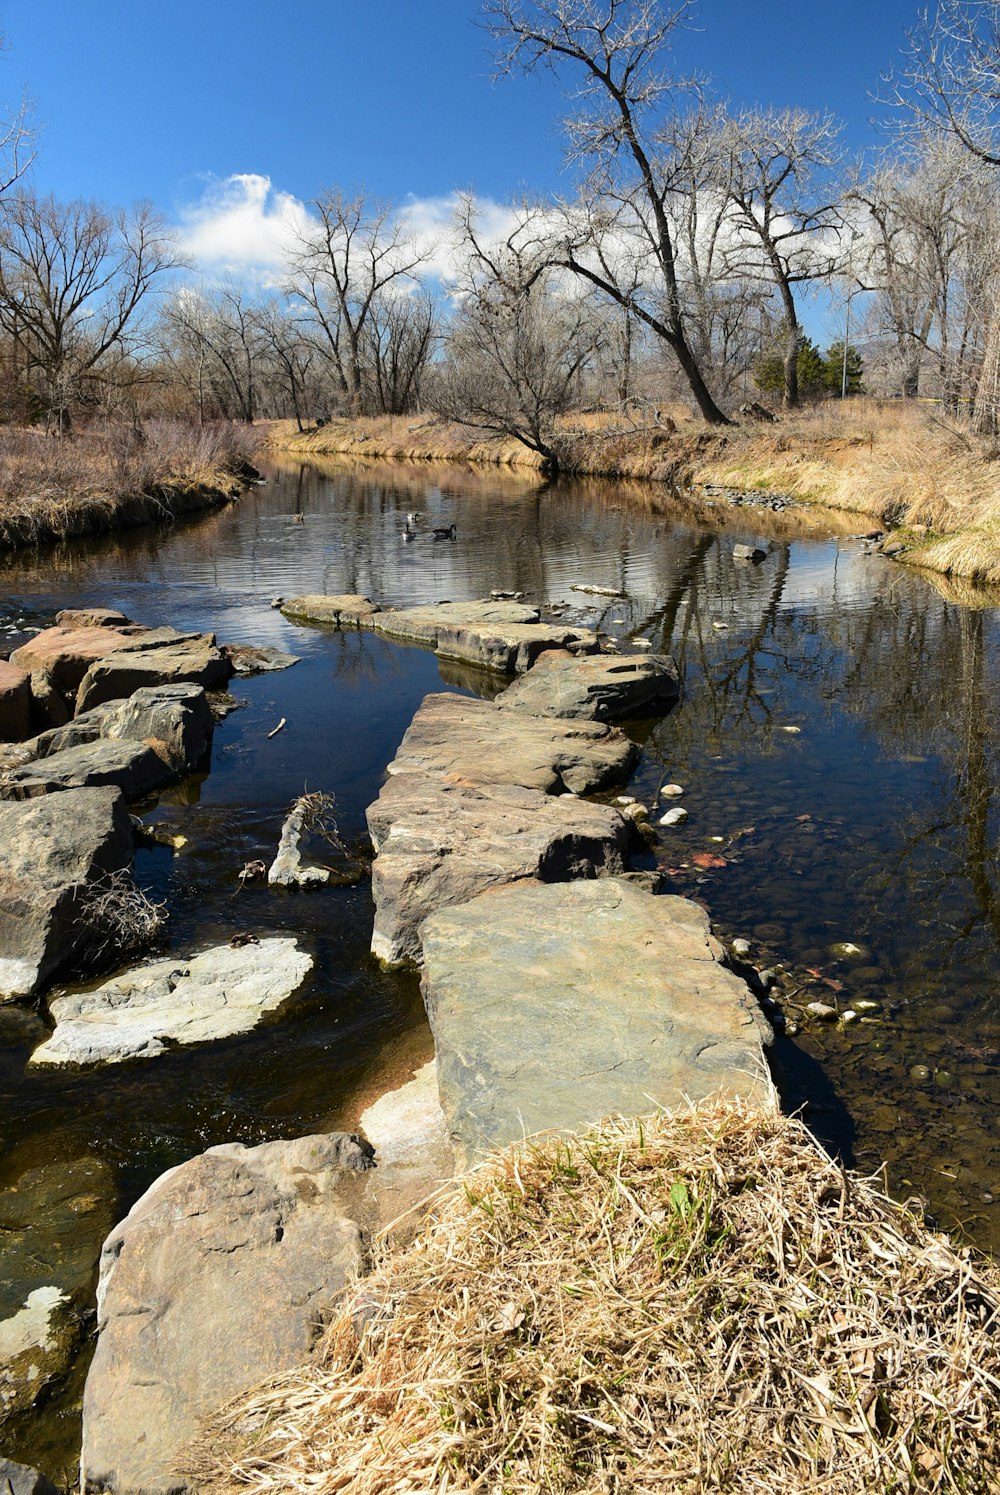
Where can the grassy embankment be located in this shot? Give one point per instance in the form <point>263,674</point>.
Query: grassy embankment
<point>108,478</point>
<point>897,465</point>
<point>695,1302</point>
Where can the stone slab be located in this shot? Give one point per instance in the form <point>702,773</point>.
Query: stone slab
<point>194,660</point>
<point>413,1156</point>
<point>52,850</point>
<point>439,844</point>
<point>553,1006</point>
<point>218,1278</point>
<point>506,637</point>
<point>595,688</point>
<point>132,767</point>
<point>346,610</point>
<point>173,1003</point>
<point>472,742</point>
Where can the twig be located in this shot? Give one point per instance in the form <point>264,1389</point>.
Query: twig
<point>277,729</point>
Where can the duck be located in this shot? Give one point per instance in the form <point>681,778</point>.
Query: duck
<point>411,519</point>
<point>445,532</point>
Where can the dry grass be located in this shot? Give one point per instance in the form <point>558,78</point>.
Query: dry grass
<point>696,1302</point>
<point>108,476</point>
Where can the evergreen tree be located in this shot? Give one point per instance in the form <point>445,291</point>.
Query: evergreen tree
<point>769,372</point>
<point>833,369</point>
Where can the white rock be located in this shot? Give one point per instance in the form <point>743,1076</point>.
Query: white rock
<point>674,816</point>
<point>823,1011</point>
<point>792,731</point>
<point>671,791</point>
<point>212,995</point>
<point>740,948</point>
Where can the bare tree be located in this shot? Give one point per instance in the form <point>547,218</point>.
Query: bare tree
<point>74,279</point>
<point>618,49</point>
<point>344,265</point>
<point>219,336</point>
<point>397,343</point>
<point>773,167</point>
<point>520,342</point>
<point>952,83</point>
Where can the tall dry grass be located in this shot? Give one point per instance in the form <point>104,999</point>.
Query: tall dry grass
<point>697,1302</point>
<point>112,475</point>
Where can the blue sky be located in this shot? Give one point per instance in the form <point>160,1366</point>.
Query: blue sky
<point>230,114</point>
<point>143,99</point>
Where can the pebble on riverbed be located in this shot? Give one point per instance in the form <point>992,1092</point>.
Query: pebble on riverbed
<point>671,791</point>
<point>740,948</point>
<point>674,816</point>
<point>822,1011</point>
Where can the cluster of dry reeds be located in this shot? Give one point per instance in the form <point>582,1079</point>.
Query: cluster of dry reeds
<point>82,483</point>
<point>691,1303</point>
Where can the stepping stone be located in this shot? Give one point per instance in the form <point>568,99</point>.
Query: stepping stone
<point>439,843</point>
<point>472,742</point>
<point>554,1006</point>
<point>595,688</point>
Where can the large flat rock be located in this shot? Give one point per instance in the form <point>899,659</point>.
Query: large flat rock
<point>553,1006</point>
<point>344,610</point>
<point>66,654</point>
<point>218,1278</point>
<point>439,843</point>
<point>191,659</point>
<point>503,636</point>
<point>132,767</point>
<point>15,702</point>
<point>472,742</point>
<point>174,1002</point>
<point>176,720</point>
<point>600,688</point>
<point>54,850</point>
<point>413,1156</point>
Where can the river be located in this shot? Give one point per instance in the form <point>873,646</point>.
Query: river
<point>836,740</point>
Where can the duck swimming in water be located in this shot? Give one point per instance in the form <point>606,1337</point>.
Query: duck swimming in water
<point>445,532</point>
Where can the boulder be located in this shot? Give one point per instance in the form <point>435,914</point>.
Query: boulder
<point>553,1006</point>
<point>217,1279</point>
<point>53,851</point>
<point>191,658</point>
<point>180,1001</point>
<point>502,636</point>
<point>349,610</point>
<point>130,766</point>
<point>595,688</point>
<point>15,702</point>
<point>174,720</point>
<point>91,617</point>
<point>470,741</point>
<point>21,1479</point>
<point>440,843</point>
<point>66,654</point>
<point>751,553</point>
<point>48,708</point>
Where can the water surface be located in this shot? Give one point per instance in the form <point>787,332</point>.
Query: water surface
<point>835,740</point>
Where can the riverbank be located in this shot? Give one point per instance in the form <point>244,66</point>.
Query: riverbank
<point>900,466</point>
<point>694,1301</point>
<point>109,478</point>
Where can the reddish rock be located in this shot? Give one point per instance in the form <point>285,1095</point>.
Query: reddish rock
<point>68,653</point>
<point>15,703</point>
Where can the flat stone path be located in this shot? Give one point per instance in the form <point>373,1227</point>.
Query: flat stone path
<point>506,637</point>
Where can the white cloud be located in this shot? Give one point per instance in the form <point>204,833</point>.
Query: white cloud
<point>241,225</point>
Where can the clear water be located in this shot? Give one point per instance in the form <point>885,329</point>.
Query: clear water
<point>875,823</point>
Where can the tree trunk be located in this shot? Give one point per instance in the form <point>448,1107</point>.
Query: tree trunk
<point>985,410</point>
<point>790,364</point>
<point>703,397</point>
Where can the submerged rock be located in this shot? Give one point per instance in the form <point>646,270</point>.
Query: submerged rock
<point>553,1006</point>
<point>218,1278</point>
<point>595,689</point>
<point>440,843</point>
<point>21,1479</point>
<point>53,850</point>
<point>257,659</point>
<point>174,1002</point>
<point>37,1345</point>
<point>470,741</point>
